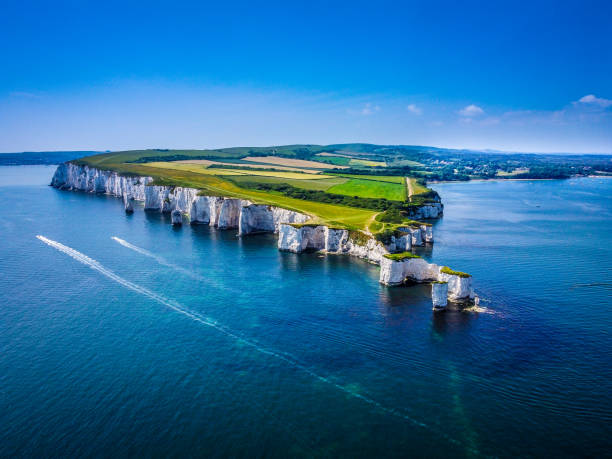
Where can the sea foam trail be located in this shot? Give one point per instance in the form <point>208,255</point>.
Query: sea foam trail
<point>204,320</point>
<point>159,259</point>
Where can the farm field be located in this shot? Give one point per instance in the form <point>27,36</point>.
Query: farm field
<point>516,171</point>
<point>306,184</point>
<point>371,189</point>
<point>229,171</point>
<point>344,161</point>
<point>414,187</point>
<point>276,160</point>
<point>336,161</point>
<point>252,165</point>
<point>378,178</point>
<point>406,162</point>
<point>365,162</point>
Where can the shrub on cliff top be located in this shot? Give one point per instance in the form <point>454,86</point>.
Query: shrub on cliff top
<point>400,256</point>
<point>359,237</point>
<point>447,270</point>
<point>303,225</point>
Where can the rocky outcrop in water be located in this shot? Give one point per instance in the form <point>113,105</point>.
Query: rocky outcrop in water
<point>394,272</point>
<point>439,295</point>
<point>128,204</point>
<point>176,217</point>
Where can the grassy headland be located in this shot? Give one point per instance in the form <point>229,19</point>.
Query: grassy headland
<point>306,178</point>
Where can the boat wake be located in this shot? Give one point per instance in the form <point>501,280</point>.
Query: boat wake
<point>210,322</point>
<point>159,259</point>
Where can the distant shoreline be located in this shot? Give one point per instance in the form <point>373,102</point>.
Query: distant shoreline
<point>514,180</point>
<point>491,180</point>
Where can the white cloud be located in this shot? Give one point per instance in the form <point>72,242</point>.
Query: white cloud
<point>471,111</point>
<point>591,99</point>
<point>412,108</point>
<point>369,109</point>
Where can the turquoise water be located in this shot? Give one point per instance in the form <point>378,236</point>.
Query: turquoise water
<point>218,346</point>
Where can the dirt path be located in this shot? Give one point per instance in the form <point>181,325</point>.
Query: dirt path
<point>367,228</point>
<point>409,186</point>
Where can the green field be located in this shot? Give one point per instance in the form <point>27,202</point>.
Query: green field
<point>338,200</point>
<point>335,160</point>
<point>371,189</point>
<point>377,178</point>
<point>320,184</point>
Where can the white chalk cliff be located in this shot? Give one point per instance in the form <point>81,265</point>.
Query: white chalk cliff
<point>394,272</point>
<point>298,238</point>
<point>293,234</point>
<point>430,210</point>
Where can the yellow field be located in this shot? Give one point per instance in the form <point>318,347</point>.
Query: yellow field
<point>201,169</point>
<point>414,187</point>
<point>366,162</point>
<point>288,162</point>
<point>207,162</point>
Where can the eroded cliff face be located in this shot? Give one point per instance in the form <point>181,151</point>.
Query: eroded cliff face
<point>84,178</point>
<point>298,238</point>
<point>428,211</point>
<point>247,217</point>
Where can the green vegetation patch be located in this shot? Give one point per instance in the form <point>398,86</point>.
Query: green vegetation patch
<point>335,160</point>
<point>400,256</point>
<point>371,189</point>
<point>303,225</point>
<point>359,237</point>
<point>447,270</point>
<point>306,184</point>
<point>325,197</point>
<point>379,178</point>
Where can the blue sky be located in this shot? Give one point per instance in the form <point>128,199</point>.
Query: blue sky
<point>516,76</point>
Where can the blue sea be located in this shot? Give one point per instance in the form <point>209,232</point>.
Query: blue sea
<point>194,342</point>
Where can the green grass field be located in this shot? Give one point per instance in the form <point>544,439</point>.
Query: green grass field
<point>335,160</point>
<point>321,184</point>
<point>371,189</point>
<point>377,178</point>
